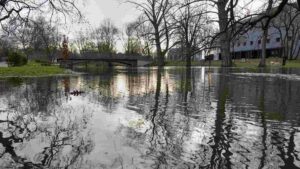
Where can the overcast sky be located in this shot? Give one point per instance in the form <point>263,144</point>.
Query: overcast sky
<point>95,11</point>
<point>120,12</point>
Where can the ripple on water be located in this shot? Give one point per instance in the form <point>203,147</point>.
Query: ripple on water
<point>144,120</point>
<point>271,75</point>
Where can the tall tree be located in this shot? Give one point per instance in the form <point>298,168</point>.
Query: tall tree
<point>106,35</point>
<point>143,32</point>
<point>265,29</point>
<point>46,37</point>
<point>133,43</point>
<point>24,34</point>
<point>288,27</point>
<point>192,28</point>
<point>158,13</point>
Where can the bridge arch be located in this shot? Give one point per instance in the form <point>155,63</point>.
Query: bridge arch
<point>129,60</point>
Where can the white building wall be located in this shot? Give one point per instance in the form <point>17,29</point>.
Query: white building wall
<point>255,35</point>
<point>297,53</point>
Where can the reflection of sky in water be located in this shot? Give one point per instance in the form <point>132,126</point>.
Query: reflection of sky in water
<point>123,120</point>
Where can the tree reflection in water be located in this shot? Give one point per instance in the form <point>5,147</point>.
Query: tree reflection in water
<point>151,118</point>
<point>221,137</point>
<point>62,140</point>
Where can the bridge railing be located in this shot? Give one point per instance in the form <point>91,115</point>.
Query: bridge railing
<point>91,56</point>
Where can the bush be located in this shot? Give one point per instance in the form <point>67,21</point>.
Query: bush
<point>16,59</point>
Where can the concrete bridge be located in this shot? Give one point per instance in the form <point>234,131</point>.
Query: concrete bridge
<point>129,60</point>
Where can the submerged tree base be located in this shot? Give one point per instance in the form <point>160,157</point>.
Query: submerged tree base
<point>32,69</point>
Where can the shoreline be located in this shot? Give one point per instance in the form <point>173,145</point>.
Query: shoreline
<point>35,70</point>
<point>249,63</point>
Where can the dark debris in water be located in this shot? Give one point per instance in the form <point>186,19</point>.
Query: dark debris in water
<point>76,93</point>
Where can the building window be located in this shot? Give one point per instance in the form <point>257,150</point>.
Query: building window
<point>251,42</point>
<point>239,44</point>
<point>277,39</point>
<point>289,38</point>
<point>259,41</point>
<point>245,43</point>
<point>268,40</point>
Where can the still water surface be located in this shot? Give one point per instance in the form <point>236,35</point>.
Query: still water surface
<point>147,118</point>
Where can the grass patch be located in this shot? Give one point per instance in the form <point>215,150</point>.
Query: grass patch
<point>31,69</point>
<point>293,64</point>
<point>271,63</point>
<point>249,63</point>
<point>253,63</point>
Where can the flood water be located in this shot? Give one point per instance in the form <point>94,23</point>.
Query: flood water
<point>152,119</point>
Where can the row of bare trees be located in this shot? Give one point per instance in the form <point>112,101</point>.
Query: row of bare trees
<point>104,38</point>
<point>101,39</point>
<point>288,26</point>
<point>165,24</point>
<point>24,25</point>
<point>190,23</point>
<point>37,36</point>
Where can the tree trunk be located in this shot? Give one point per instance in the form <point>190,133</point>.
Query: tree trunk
<point>225,52</point>
<point>291,46</point>
<point>224,37</point>
<point>283,56</point>
<point>284,60</point>
<point>160,54</point>
<point>262,62</point>
<point>188,60</point>
<point>188,57</point>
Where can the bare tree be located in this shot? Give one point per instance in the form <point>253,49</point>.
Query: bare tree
<point>192,28</point>
<point>46,37</point>
<point>158,13</point>
<point>6,44</point>
<point>265,23</point>
<point>225,10</point>
<point>288,26</point>
<point>23,9</point>
<point>83,41</point>
<point>133,43</point>
<point>24,34</point>
<point>143,32</point>
<point>105,36</point>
